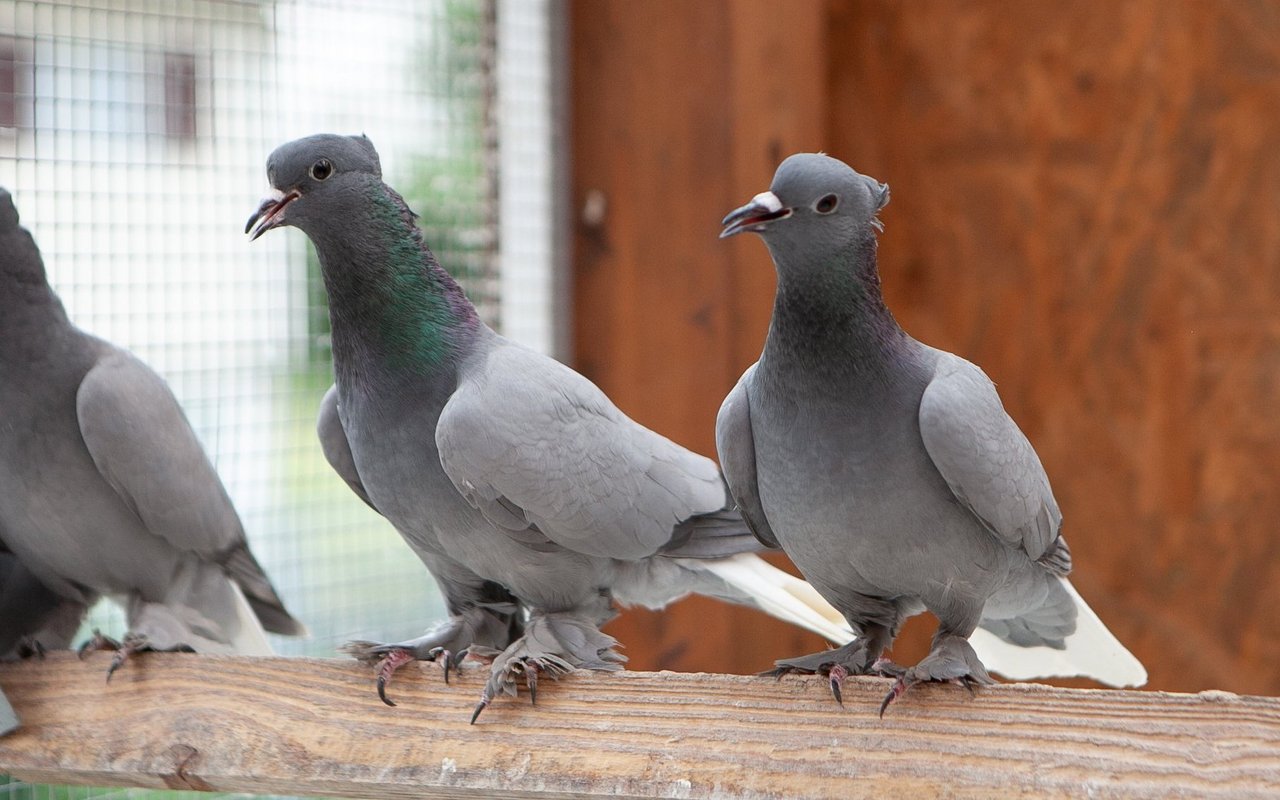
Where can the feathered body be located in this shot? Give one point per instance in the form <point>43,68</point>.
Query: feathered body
<point>889,470</point>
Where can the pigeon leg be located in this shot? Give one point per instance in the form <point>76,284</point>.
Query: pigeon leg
<point>445,644</point>
<point>951,660</point>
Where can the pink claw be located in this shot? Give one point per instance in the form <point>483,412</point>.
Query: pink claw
<point>392,661</point>
<point>836,675</point>
<point>899,686</point>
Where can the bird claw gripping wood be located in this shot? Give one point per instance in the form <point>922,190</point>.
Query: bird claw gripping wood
<point>903,683</point>
<point>836,676</point>
<point>392,661</point>
<point>486,697</point>
<point>899,687</point>
<point>387,658</point>
<point>530,668</point>
<point>834,671</point>
<point>448,659</point>
<point>97,642</point>
<point>129,644</point>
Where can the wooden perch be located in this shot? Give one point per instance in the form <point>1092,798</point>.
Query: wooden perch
<point>316,727</point>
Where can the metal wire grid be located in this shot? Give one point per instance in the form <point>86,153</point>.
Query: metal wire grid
<point>133,135</point>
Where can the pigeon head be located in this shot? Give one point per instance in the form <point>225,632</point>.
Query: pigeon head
<point>814,201</point>
<point>8,212</point>
<point>310,176</point>
<point>20,262</point>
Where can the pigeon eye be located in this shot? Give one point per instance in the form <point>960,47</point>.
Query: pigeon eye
<point>826,204</point>
<point>321,169</point>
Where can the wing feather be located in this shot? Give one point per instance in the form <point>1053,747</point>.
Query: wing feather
<point>144,447</point>
<point>986,460</point>
<point>531,443</point>
<point>736,447</point>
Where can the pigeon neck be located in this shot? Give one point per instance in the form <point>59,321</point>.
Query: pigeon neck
<point>392,306</point>
<point>830,318</point>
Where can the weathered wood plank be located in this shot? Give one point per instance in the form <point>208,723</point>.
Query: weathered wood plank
<point>304,726</point>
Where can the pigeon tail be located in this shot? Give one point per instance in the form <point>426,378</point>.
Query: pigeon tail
<point>758,583</point>
<point>1091,651</point>
<point>250,639</point>
<point>249,577</point>
<point>715,534</point>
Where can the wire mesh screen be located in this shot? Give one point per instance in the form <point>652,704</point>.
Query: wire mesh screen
<point>133,136</point>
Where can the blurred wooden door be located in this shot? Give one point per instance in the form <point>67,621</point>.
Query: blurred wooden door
<point>666,316</point>
<point>1086,202</point>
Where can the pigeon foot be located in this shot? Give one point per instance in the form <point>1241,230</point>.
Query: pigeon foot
<point>951,660</point>
<point>128,645</point>
<point>29,647</point>
<point>553,645</point>
<point>506,680</point>
<point>836,665</point>
<point>442,644</point>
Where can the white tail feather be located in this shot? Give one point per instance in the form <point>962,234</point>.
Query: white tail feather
<point>251,639</point>
<point>1091,652</point>
<point>778,594</point>
<point>8,719</point>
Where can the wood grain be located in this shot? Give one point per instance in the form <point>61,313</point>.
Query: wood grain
<point>315,727</point>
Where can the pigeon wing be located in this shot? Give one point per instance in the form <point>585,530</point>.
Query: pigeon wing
<point>986,459</point>
<point>735,445</point>
<point>336,447</point>
<point>145,449</point>
<point>533,444</point>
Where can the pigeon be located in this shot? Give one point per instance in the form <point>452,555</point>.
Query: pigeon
<point>888,470</point>
<point>532,500</point>
<point>105,490</point>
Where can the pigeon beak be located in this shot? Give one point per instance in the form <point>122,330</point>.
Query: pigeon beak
<point>271,213</point>
<point>754,216</point>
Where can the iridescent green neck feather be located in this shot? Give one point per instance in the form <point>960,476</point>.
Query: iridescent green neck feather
<point>394,310</point>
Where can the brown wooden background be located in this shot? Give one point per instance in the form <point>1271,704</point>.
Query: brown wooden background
<point>1086,202</point>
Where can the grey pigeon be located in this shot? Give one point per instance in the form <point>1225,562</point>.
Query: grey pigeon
<point>104,489</point>
<point>888,470</point>
<point>531,499</point>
